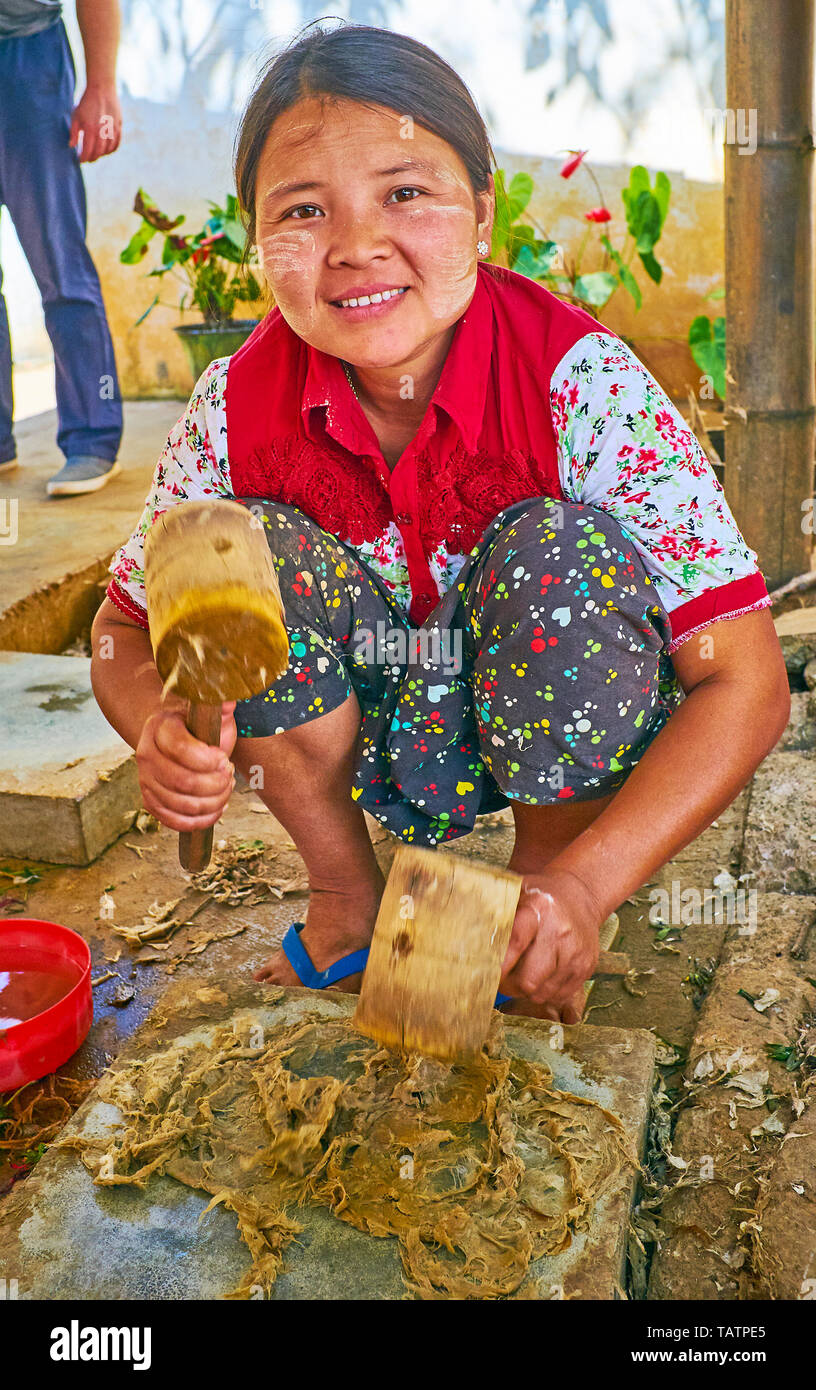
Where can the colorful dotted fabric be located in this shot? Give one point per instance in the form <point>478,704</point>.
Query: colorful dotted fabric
<point>542,674</point>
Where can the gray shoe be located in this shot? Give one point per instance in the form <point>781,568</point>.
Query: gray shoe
<point>82,473</point>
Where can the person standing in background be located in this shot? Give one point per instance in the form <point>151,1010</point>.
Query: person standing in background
<point>43,141</point>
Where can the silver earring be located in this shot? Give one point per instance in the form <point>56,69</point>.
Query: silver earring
<point>482,248</point>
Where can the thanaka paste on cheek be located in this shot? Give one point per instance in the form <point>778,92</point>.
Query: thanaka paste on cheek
<point>289,260</point>
<point>448,233</point>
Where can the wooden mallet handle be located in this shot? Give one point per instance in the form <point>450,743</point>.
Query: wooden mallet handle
<point>195,846</point>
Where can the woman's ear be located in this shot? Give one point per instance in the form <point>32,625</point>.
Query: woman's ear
<point>486,211</point>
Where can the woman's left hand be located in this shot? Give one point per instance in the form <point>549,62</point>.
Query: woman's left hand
<point>553,946</point>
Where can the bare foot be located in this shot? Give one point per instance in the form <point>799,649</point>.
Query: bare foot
<point>338,922</point>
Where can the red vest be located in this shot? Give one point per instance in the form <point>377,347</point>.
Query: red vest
<point>296,433</point>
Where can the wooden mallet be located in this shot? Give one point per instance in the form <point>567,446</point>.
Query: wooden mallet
<point>216,620</point>
<point>435,960</point>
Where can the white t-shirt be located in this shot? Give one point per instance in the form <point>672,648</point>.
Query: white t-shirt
<point>19,18</point>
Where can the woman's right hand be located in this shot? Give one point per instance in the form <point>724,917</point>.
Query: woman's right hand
<point>185,783</point>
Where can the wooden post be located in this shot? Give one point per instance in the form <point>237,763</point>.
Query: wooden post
<point>769,269</point>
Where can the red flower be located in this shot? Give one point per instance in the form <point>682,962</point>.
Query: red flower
<point>598,215</point>
<point>572,163</point>
<point>202,253</point>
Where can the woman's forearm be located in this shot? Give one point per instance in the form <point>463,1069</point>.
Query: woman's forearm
<point>126,684</point>
<point>98,22</point>
<point>695,767</point>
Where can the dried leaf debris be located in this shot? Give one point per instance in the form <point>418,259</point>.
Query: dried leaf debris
<point>241,874</point>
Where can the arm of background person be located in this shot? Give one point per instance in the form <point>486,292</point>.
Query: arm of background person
<point>98,115</point>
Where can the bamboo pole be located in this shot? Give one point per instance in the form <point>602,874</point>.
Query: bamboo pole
<point>769,266</point>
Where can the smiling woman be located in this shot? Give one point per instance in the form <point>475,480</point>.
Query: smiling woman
<point>430,440</point>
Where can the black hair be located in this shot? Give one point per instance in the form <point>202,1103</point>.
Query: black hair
<point>375,67</point>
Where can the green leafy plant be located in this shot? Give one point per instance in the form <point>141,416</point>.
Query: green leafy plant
<point>707,343</point>
<point>515,242</point>
<point>32,1156</point>
<point>646,210</point>
<point>211,264</point>
<point>790,1056</point>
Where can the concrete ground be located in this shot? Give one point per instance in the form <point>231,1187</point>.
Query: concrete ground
<point>51,572</point>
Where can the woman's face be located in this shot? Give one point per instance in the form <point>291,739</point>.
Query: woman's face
<point>346,203</point>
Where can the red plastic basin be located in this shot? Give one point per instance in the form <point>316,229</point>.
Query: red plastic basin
<point>39,1044</point>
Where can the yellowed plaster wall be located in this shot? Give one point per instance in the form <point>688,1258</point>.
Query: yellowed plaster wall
<point>180,174</point>
<point>182,162</point>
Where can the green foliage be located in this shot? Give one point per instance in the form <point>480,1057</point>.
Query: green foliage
<point>596,288</point>
<point>707,342</point>
<point>646,210</point>
<point>627,279</point>
<point>137,246</point>
<point>515,242</point>
<point>790,1057</point>
<point>213,262</point>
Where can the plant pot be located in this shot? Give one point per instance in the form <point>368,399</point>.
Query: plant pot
<point>203,342</point>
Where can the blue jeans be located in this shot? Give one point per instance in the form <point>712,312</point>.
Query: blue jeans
<point>42,187</point>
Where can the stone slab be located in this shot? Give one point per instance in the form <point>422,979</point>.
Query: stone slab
<point>62,1237</point>
<point>68,782</point>
<point>786,1215</point>
<point>800,733</point>
<point>779,847</point>
<point>714,1135</point>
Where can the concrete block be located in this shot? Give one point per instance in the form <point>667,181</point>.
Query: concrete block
<point>780,832</point>
<point>63,1237</point>
<point>800,734</point>
<point>786,1215</point>
<point>717,1187</point>
<point>68,782</point>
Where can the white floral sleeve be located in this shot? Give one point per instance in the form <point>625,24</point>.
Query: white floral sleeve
<point>192,465</point>
<point>623,446</point>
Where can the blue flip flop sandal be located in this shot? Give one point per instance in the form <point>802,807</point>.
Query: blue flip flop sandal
<point>311,978</point>
<point>304,967</point>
